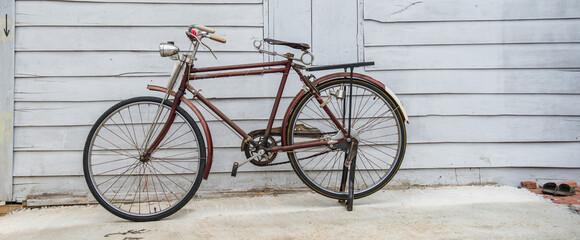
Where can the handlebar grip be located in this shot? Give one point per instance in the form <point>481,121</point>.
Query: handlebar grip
<point>217,39</point>
<point>204,28</point>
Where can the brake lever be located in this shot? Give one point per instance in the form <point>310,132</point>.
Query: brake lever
<point>198,39</point>
<point>208,48</point>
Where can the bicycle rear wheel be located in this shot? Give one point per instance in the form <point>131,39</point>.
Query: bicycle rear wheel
<point>125,181</point>
<point>376,124</point>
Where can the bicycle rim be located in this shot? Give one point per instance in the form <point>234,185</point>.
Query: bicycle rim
<point>376,124</point>
<point>142,188</point>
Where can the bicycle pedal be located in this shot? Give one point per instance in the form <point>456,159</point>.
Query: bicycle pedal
<point>235,169</point>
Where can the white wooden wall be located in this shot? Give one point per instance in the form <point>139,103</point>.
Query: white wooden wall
<point>492,87</point>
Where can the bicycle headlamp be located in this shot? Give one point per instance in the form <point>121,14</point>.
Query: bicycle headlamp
<point>168,49</point>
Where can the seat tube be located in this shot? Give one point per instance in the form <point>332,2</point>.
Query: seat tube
<point>278,98</point>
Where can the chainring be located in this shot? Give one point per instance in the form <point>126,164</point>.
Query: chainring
<point>250,150</point>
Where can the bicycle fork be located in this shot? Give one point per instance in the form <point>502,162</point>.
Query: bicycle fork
<point>176,101</point>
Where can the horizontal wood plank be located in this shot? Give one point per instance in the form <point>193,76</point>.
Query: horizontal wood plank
<point>64,89</point>
<point>432,129</point>
<point>492,81</point>
<point>59,13</point>
<point>43,64</point>
<point>160,1</point>
<point>507,56</point>
<point>481,32</point>
<point>468,10</point>
<point>86,113</point>
<point>120,88</point>
<point>127,38</point>
<point>286,180</point>
<point>476,176</point>
<point>445,155</point>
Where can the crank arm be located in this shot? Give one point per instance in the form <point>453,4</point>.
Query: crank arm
<point>237,165</point>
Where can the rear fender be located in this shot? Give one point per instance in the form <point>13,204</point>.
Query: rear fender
<point>204,125</point>
<point>334,76</point>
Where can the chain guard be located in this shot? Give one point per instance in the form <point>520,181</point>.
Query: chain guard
<point>250,150</point>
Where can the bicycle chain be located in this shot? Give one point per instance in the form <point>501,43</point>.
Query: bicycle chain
<point>300,159</point>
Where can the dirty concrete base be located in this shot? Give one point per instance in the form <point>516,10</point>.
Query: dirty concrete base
<point>431,213</point>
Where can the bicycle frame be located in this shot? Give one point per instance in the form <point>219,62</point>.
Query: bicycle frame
<point>190,73</point>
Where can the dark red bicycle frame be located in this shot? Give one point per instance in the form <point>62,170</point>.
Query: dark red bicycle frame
<point>190,74</point>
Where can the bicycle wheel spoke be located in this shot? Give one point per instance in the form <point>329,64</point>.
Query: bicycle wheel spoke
<point>127,193</point>
<point>121,130</point>
<point>133,127</point>
<point>377,128</point>
<point>171,180</point>
<point>369,125</point>
<point>161,185</point>
<point>173,164</point>
<point>111,161</point>
<point>359,112</point>
<point>118,177</point>
<point>155,190</point>
<point>386,144</point>
<point>373,118</point>
<point>128,133</point>
<point>371,166</point>
<point>334,162</point>
<point>173,159</point>
<point>320,170</point>
<point>167,137</point>
<point>126,154</point>
<point>361,167</point>
<point>365,153</point>
<point>112,170</point>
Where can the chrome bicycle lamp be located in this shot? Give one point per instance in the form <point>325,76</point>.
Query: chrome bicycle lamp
<point>168,49</point>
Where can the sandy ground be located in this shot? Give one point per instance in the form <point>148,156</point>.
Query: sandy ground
<point>431,213</point>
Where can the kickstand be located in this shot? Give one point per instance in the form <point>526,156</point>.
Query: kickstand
<point>350,201</point>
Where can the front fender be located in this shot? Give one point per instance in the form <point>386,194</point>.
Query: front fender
<point>204,125</point>
<point>337,76</point>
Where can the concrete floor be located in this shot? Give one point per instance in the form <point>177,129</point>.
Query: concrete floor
<point>418,213</point>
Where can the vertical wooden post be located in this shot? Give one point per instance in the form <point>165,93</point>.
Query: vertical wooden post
<point>360,43</point>
<point>6,98</point>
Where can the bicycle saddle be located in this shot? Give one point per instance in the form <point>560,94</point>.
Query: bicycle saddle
<point>301,46</point>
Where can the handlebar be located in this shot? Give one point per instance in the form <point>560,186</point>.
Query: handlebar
<point>204,28</point>
<point>209,31</point>
<point>217,39</point>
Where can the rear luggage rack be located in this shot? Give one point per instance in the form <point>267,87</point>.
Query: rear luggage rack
<point>344,65</point>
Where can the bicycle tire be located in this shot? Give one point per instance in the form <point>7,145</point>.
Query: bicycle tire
<point>159,185</point>
<point>320,168</point>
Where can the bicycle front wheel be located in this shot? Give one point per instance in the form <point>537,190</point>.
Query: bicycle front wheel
<point>376,123</point>
<point>130,184</point>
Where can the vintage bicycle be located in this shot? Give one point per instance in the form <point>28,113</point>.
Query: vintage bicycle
<point>344,134</point>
